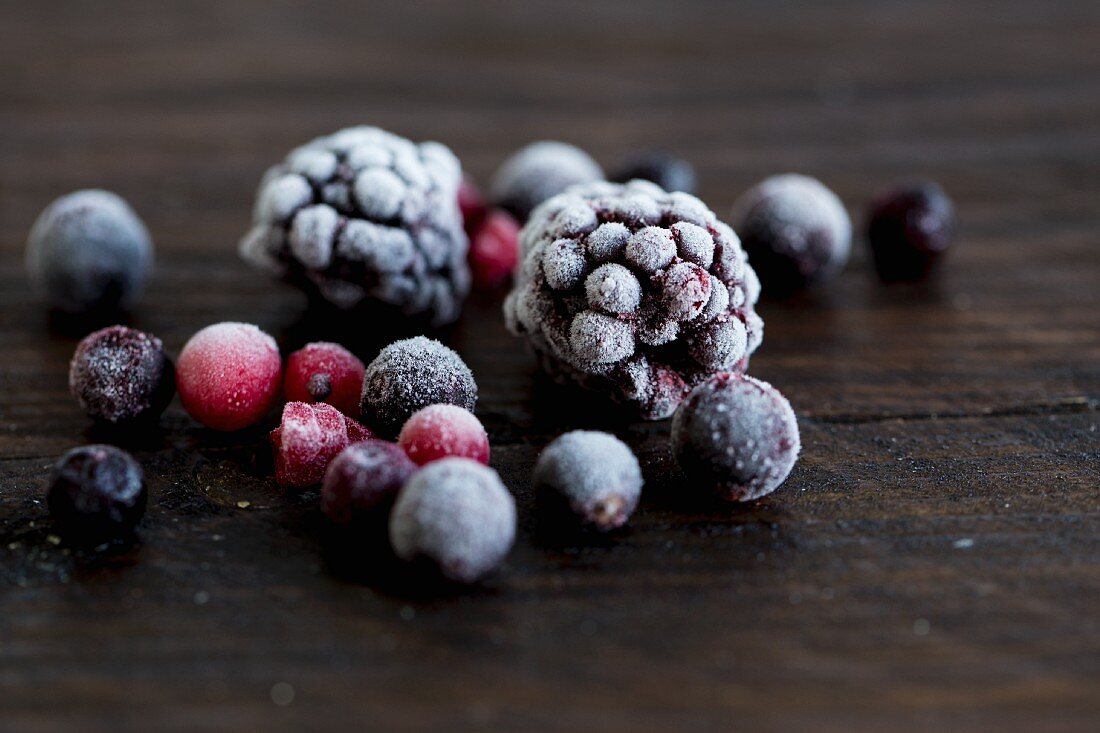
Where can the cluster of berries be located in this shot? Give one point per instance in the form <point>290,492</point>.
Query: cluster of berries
<point>630,286</point>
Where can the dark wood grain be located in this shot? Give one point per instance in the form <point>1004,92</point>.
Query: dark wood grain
<point>931,564</point>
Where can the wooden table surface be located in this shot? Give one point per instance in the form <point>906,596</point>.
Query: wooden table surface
<point>932,562</point>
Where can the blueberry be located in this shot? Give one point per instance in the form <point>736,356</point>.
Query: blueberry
<point>89,251</point>
<point>795,231</point>
<point>96,492</point>
<point>594,473</point>
<point>909,228</point>
<point>457,515</point>
<point>539,171</point>
<point>664,169</point>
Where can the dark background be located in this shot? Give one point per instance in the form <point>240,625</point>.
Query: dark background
<point>931,563</point>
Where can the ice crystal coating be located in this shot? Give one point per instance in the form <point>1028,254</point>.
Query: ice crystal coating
<point>120,375</point>
<point>595,473</point>
<point>795,230</point>
<point>635,292</point>
<point>364,215</point>
<point>538,171</point>
<point>736,434</point>
<point>409,375</point>
<point>89,250</point>
<point>458,515</point>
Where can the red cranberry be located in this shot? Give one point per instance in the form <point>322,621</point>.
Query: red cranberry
<point>439,431</point>
<point>494,250</point>
<point>325,372</point>
<point>229,375</point>
<point>309,436</point>
<point>909,228</point>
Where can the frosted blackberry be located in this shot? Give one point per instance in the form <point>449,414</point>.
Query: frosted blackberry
<point>664,169</point>
<point>909,228</point>
<point>595,473</point>
<point>541,170</point>
<point>96,492</point>
<point>409,375</point>
<point>737,435</point>
<point>89,251</point>
<point>634,292</point>
<point>456,514</point>
<point>120,375</point>
<point>795,230</point>
<point>365,216</point>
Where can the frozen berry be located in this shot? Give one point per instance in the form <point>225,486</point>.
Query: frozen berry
<point>664,169</point>
<point>472,205</point>
<point>229,375</point>
<point>325,372</point>
<point>795,231</point>
<point>309,436</point>
<point>365,216</point>
<point>595,473</point>
<point>633,292</point>
<point>364,477</point>
<point>412,374</point>
<point>120,375</point>
<point>736,434</point>
<point>494,250</point>
<point>87,251</point>
<point>96,492</point>
<point>439,431</point>
<point>456,514</point>
<point>539,171</point>
<point>909,227</point>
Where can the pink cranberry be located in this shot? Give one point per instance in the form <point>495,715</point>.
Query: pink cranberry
<point>229,375</point>
<point>439,431</point>
<point>309,436</point>
<point>325,372</point>
<point>365,476</point>
<point>494,250</point>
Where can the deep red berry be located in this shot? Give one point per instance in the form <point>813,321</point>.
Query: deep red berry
<point>120,376</point>
<point>909,228</point>
<point>229,375</point>
<point>439,431</point>
<point>472,205</point>
<point>365,476</point>
<point>325,372</point>
<point>309,436</point>
<point>494,250</point>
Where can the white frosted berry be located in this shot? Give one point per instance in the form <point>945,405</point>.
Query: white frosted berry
<point>595,473</point>
<point>650,249</point>
<point>685,290</point>
<point>563,264</point>
<point>607,242</point>
<point>613,289</point>
<point>539,171</point>
<point>693,243</point>
<point>456,514</point>
<point>280,198</point>
<point>600,338</point>
<point>311,235</point>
